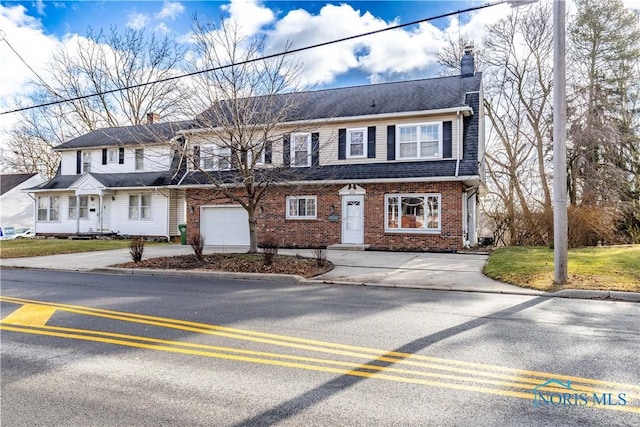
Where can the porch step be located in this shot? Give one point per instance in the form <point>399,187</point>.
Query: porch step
<point>343,247</point>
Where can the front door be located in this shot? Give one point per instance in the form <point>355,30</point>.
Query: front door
<point>353,219</point>
<point>105,214</point>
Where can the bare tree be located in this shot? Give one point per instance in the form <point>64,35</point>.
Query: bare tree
<point>247,105</point>
<point>518,82</point>
<point>93,64</point>
<point>450,56</point>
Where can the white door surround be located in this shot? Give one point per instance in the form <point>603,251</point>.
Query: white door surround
<point>352,214</point>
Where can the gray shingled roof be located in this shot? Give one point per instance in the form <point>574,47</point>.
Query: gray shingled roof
<point>116,180</point>
<point>9,181</point>
<point>141,134</point>
<point>383,98</point>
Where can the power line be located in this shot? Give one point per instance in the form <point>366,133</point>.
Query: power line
<point>262,58</point>
<point>4,39</point>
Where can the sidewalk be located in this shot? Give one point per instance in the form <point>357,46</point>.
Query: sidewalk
<point>416,270</point>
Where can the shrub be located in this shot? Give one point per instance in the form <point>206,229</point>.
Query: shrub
<point>269,245</point>
<point>197,244</point>
<point>320,255</point>
<point>136,248</point>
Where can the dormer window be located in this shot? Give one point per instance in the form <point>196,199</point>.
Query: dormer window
<point>420,141</point>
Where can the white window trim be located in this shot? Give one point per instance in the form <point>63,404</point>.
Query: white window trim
<point>417,125</point>
<point>48,208</point>
<point>292,153</point>
<point>307,197</point>
<point>412,230</point>
<point>214,152</point>
<point>365,142</point>
<point>135,159</point>
<point>78,207</point>
<point>87,160</point>
<point>112,156</point>
<point>139,206</point>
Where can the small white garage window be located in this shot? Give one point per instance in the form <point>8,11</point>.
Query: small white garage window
<point>301,207</point>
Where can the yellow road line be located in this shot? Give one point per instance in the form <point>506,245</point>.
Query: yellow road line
<point>351,372</point>
<point>516,383</point>
<point>30,315</point>
<point>320,346</point>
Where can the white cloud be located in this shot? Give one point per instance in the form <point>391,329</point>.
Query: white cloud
<point>170,10</point>
<point>137,20</point>
<point>252,15</point>
<point>162,28</point>
<point>39,5</point>
<point>25,35</point>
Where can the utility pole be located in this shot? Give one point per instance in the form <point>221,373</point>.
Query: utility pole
<point>560,227</point>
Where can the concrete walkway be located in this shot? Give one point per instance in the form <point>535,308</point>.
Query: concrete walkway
<point>440,271</point>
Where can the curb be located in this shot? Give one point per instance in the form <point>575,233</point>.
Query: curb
<point>299,280</point>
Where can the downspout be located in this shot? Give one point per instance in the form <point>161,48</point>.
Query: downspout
<point>460,132</point>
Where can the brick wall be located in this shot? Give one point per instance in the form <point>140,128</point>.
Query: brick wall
<point>322,231</point>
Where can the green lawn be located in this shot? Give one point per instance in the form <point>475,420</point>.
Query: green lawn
<point>613,268</point>
<point>38,247</point>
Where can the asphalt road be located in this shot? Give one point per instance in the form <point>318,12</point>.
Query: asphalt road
<point>81,349</point>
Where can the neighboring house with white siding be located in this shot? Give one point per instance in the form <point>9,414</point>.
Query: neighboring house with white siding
<point>16,206</point>
<point>391,166</point>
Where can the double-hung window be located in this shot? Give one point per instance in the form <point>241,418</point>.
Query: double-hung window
<point>140,206</point>
<point>356,143</point>
<point>139,156</point>
<point>48,208</point>
<point>86,161</point>
<point>112,155</point>
<point>82,210</point>
<point>215,158</point>
<point>301,149</point>
<point>412,212</point>
<point>420,141</point>
<point>301,207</point>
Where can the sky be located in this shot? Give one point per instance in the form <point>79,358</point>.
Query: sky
<point>33,30</point>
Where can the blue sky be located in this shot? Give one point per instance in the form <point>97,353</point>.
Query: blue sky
<point>36,29</point>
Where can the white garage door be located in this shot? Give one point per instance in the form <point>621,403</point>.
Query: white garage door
<point>226,226</point>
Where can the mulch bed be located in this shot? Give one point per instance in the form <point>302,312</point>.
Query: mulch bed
<point>238,263</point>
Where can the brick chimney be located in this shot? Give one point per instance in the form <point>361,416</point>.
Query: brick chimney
<point>153,118</point>
<point>467,64</point>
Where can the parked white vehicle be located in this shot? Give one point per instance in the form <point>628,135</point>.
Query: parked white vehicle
<point>7,233</point>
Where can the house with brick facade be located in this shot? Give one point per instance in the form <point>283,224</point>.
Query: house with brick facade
<point>387,166</point>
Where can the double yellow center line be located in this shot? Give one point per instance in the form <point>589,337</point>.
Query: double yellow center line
<point>32,318</point>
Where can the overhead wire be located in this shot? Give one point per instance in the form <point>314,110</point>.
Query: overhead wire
<point>262,58</point>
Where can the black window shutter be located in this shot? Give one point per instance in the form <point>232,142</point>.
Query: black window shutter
<point>286,150</point>
<point>104,156</point>
<point>268,152</point>
<point>371,142</point>
<point>391,142</point>
<point>78,162</point>
<point>196,156</point>
<point>315,149</point>
<point>446,140</point>
<point>342,144</point>
<point>121,156</point>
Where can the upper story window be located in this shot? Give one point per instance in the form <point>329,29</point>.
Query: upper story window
<point>301,149</point>
<point>215,158</point>
<point>139,156</point>
<point>86,161</point>
<point>83,209</point>
<point>412,212</point>
<point>140,206</point>
<point>301,207</point>
<point>420,141</point>
<point>48,208</point>
<point>112,155</point>
<point>356,143</point>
